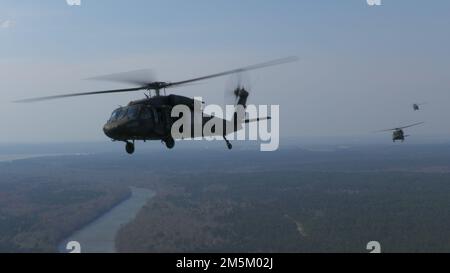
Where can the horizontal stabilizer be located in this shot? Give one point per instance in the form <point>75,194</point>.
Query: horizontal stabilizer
<point>256,119</point>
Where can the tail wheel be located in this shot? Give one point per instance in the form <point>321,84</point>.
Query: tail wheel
<point>129,147</point>
<point>170,143</point>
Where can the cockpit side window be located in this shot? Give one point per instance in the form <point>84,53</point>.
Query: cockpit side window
<point>133,112</point>
<point>123,113</point>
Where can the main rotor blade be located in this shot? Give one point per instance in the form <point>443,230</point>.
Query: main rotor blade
<point>415,124</point>
<point>238,70</point>
<point>79,94</point>
<point>399,128</point>
<point>387,130</point>
<point>146,85</point>
<point>137,77</point>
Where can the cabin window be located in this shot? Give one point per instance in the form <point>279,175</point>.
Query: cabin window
<point>155,115</point>
<point>146,113</point>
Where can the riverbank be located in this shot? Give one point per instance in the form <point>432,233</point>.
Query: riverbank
<point>99,235</point>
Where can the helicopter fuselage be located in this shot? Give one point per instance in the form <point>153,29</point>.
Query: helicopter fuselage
<point>398,135</point>
<point>151,119</point>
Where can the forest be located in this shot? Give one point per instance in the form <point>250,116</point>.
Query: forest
<point>314,199</point>
<point>43,201</point>
<point>296,212</point>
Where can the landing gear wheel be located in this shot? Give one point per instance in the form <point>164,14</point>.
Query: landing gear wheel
<point>170,143</point>
<point>129,147</point>
<point>228,143</point>
<point>229,146</point>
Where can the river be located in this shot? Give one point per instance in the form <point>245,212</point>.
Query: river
<point>99,236</point>
<point>9,158</point>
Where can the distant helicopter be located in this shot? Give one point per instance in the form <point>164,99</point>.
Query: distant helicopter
<point>398,133</point>
<point>416,106</point>
<point>150,118</point>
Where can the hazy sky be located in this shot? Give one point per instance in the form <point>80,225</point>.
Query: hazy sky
<point>361,67</point>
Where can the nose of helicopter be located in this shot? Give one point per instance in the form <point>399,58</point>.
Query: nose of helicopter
<point>109,130</point>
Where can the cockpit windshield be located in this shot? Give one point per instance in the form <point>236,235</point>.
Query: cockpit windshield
<point>130,112</point>
<point>115,115</point>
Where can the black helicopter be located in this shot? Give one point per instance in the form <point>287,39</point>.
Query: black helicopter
<point>150,118</point>
<point>416,106</point>
<point>398,133</point>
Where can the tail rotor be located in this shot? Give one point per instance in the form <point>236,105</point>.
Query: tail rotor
<point>237,89</point>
